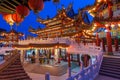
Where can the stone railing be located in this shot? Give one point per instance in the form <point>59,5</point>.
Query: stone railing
<point>84,49</point>
<point>4,49</point>
<point>90,72</point>
<point>44,41</point>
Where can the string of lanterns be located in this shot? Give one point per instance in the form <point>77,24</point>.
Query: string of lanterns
<point>22,11</point>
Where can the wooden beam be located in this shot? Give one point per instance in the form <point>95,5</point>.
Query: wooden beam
<point>3,9</point>
<point>8,1</point>
<point>16,2</point>
<point>13,9</point>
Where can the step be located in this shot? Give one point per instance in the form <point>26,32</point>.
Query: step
<point>111,64</point>
<point>14,66</point>
<point>111,61</point>
<point>110,74</point>
<point>102,66</point>
<point>13,75</point>
<point>12,72</point>
<point>109,68</point>
<point>113,57</point>
<point>12,69</point>
<point>117,63</point>
<point>109,71</point>
<point>23,77</point>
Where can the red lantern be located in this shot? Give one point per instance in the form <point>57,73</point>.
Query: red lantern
<point>8,19</point>
<point>36,5</point>
<point>22,11</point>
<point>16,18</point>
<point>2,13</point>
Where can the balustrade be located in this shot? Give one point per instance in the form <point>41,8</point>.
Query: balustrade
<point>4,49</point>
<point>44,41</point>
<point>90,72</point>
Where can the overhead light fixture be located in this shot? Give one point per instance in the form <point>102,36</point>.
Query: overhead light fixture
<point>94,9</point>
<point>106,25</point>
<point>105,0</point>
<point>95,24</point>
<point>99,0</point>
<point>112,25</point>
<point>106,30</point>
<point>119,24</point>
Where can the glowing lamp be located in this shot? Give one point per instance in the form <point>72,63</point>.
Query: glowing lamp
<point>99,1</point>
<point>16,18</point>
<point>8,19</point>
<point>106,30</point>
<point>95,24</point>
<point>119,24</point>
<point>112,25</point>
<point>106,25</point>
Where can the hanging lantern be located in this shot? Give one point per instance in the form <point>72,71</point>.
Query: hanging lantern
<point>17,19</point>
<point>36,5</point>
<point>22,11</point>
<point>2,13</point>
<point>8,19</point>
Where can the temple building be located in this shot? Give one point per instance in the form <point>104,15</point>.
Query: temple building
<point>71,46</point>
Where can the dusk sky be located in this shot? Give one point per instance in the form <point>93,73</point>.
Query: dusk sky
<point>50,10</point>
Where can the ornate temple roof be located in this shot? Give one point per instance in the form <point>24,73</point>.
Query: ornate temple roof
<point>11,36</point>
<point>62,25</point>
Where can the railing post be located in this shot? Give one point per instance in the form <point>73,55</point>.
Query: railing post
<point>91,74</point>
<point>69,65</point>
<point>69,71</point>
<point>82,71</point>
<point>82,67</point>
<point>47,76</point>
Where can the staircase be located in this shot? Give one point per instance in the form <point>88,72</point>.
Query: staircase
<point>110,67</point>
<point>14,71</point>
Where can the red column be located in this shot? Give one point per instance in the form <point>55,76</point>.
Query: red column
<point>110,12</point>
<point>78,59</point>
<point>103,44</point>
<point>84,42</point>
<point>69,65</point>
<point>109,40</point>
<point>59,59</point>
<point>116,44</point>
<point>97,40</point>
<point>65,55</point>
